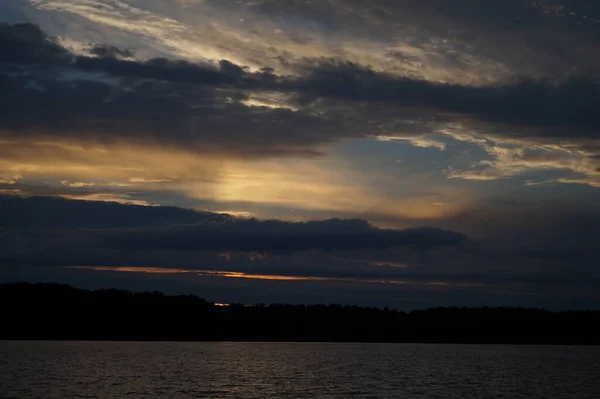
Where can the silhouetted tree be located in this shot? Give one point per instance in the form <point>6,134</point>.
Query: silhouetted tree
<point>52,311</point>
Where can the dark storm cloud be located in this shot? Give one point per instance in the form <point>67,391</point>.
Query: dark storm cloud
<point>197,231</point>
<point>275,236</point>
<point>43,96</point>
<point>202,106</point>
<point>107,51</point>
<point>226,74</point>
<point>28,44</point>
<point>57,213</point>
<point>570,104</point>
<point>197,118</point>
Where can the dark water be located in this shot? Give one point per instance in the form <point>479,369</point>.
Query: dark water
<point>286,370</point>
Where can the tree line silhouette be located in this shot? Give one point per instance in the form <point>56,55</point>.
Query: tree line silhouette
<point>53,311</point>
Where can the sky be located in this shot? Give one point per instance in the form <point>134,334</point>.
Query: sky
<point>390,153</point>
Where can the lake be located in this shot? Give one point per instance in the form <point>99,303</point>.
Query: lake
<point>52,370</point>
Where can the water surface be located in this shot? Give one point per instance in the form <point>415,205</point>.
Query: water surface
<point>52,370</point>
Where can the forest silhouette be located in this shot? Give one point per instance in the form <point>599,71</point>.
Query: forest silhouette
<point>61,312</point>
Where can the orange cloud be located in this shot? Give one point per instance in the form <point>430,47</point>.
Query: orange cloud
<point>272,277</point>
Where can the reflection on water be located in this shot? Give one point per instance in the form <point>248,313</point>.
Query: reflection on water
<point>53,370</point>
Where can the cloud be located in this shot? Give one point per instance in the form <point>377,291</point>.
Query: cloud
<point>509,157</point>
<point>56,232</point>
<point>527,101</point>
<point>76,184</point>
<point>56,213</point>
<point>252,235</point>
<point>563,110</point>
<point>274,277</point>
<point>9,179</point>
<point>422,142</point>
<point>197,231</point>
<point>28,44</point>
<point>119,15</point>
<point>150,101</point>
<point>110,52</point>
<point>467,42</point>
<point>190,247</point>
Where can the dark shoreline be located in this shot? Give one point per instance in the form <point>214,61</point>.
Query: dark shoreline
<point>52,312</point>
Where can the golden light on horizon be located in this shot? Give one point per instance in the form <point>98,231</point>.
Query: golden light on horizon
<point>273,277</point>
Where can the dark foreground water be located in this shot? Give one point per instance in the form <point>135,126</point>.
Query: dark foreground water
<point>288,370</point>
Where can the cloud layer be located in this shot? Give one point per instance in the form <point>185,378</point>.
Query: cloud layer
<point>48,238</point>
